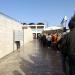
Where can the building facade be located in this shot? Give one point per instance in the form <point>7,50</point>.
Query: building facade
<point>11,31</point>
<point>36,29</point>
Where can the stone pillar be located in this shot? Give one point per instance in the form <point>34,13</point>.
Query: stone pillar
<point>36,31</point>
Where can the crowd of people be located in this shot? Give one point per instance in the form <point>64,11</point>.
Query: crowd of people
<point>49,40</point>
<point>65,45</point>
<point>59,43</point>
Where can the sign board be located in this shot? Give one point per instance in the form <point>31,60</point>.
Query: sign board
<point>18,36</point>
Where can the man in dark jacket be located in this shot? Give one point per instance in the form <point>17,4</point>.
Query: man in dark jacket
<point>44,40</point>
<point>71,48</point>
<point>67,46</point>
<point>62,47</point>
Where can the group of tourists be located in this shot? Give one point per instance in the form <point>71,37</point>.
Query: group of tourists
<point>49,40</point>
<point>65,45</point>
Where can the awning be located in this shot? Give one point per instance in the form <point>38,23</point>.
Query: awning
<point>53,28</point>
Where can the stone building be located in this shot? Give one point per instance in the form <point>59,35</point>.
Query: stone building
<point>36,28</point>
<point>10,32</point>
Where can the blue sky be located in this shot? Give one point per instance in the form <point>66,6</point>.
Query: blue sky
<point>47,11</point>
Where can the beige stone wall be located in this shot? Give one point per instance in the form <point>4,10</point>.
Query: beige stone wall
<point>7,28</point>
<point>27,35</point>
<point>9,23</point>
<point>6,42</point>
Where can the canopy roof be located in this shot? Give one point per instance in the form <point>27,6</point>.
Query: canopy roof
<point>53,28</point>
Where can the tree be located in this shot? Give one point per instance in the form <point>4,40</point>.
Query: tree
<point>73,18</point>
<point>31,23</point>
<point>40,23</point>
<point>24,23</point>
<point>71,23</point>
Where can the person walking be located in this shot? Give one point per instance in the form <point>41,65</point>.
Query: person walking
<point>44,40</point>
<point>48,37</point>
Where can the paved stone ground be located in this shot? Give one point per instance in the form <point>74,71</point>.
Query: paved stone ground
<point>32,60</point>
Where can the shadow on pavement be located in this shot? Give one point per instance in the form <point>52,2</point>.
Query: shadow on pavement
<point>43,63</point>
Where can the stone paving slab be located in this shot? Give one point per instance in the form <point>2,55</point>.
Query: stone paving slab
<point>32,60</point>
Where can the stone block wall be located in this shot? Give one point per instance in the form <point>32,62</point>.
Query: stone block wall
<point>7,28</point>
